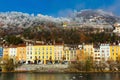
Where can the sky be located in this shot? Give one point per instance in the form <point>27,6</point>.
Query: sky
<point>58,8</point>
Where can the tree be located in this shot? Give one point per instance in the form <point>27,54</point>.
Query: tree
<point>10,65</point>
<point>13,40</point>
<point>88,64</point>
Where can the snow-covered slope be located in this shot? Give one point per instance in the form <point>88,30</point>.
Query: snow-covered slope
<point>89,18</point>
<point>24,20</point>
<point>94,16</point>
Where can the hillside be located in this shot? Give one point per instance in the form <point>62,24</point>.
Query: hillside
<point>49,29</point>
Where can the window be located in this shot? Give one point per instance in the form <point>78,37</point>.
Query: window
<point>67,58</point>
<point>112,50</point>
<point>102,50</point>
<point>35,57</point>
<point>38,52</point>
<point>85,49</point>
<point>116,58</point>
<point>31,57</point>
<point>50,52</point>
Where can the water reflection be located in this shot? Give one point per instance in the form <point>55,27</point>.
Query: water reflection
<point>96,76</point>
<point>48,76</point>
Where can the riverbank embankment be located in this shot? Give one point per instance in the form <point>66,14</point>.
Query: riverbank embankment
<point>42,68</point>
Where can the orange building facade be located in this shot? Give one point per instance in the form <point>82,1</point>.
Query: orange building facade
<point>21,53</point>
<point>6,53</point>
<point>80,55</point>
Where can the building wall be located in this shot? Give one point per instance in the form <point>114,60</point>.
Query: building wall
<point>66,55</point>
<point>114,52</point>
<point>80,54</point>
<point>43,53</point>
<point>117,29</point>
<point>96,56</point>
<point>12,52</point>
<point>73,54</point>
<point>69,54</point>
<point>58,52</point>
<point>88,50</point>
<point>104,52</point>
<point>1,51</point>
<point>21,53</point>
<point>29,54</point>
<point>5,53</point>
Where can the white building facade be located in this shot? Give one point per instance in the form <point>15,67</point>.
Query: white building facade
<point>96,55</point>
<point>58,51</point>
<point>12,52</point>
<point>104,52</point>
<point>29,48</point>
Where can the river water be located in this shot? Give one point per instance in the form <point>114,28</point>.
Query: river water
<point>58,76</point>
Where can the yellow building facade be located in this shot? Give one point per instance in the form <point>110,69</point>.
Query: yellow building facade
<point>44,53</point>
<point>70,54</point>
<point>88,50</point>
<point>66,55</point>
<point>114,52</point>
<point>80,55</point>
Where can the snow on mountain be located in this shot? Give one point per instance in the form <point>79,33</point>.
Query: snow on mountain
<point>24,20</point>
<point>90,18</point>
<point>95,18</point>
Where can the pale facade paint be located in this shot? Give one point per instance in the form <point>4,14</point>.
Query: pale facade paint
<point>58,52</point>
<point>96,55</point>
<point>104,52</point>
<point>66,54</point>
<point>29,54</point>
<point>12,52</point>
<point>69,54</point>
<point>88,50</point>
